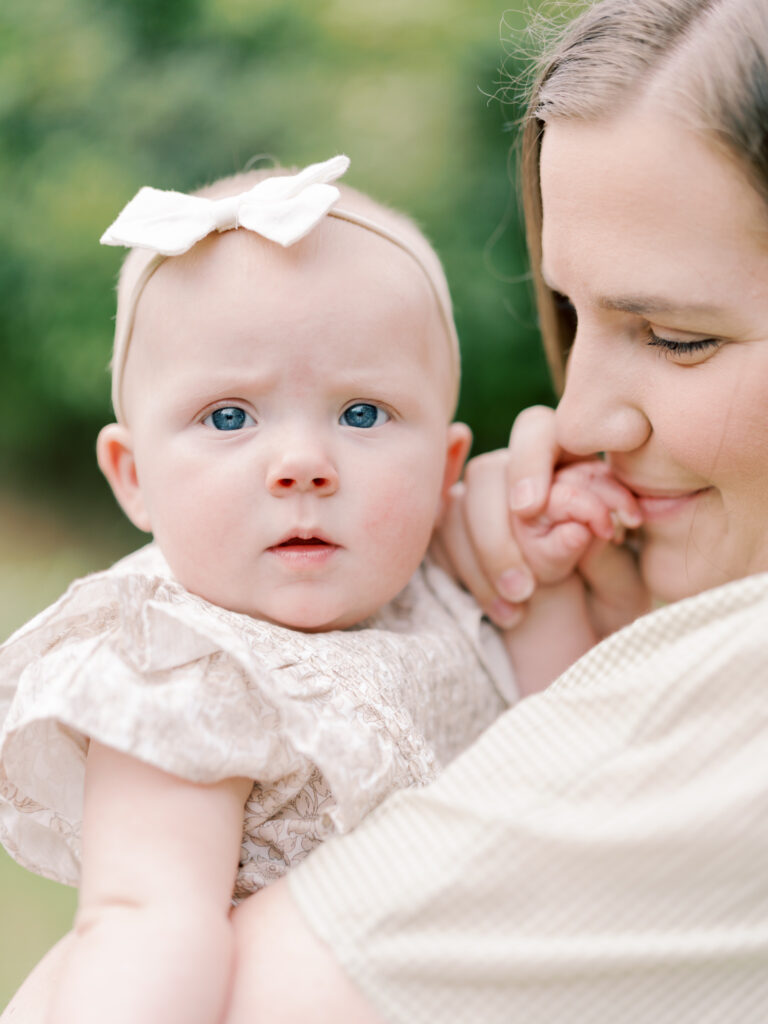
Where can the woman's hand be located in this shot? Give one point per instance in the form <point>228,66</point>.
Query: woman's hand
<point>476,540</point>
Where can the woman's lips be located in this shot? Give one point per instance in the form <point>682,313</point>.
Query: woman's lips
<point>655,505</point>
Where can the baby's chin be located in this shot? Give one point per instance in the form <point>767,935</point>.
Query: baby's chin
<point>318,620</point>
<point>308,606</point>
<point>305,617</point>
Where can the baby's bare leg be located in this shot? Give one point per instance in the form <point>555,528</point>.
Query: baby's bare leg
<point>284,972</point>
<point>30,1004</point>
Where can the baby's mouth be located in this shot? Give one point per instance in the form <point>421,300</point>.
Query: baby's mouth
<point>304,542</point>
<point>303,545</point>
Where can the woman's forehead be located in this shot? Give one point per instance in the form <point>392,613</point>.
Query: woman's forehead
<point>642,204</point>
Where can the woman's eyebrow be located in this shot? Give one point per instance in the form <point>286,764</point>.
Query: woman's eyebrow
<point>644,305</point>
<point>648,305</point>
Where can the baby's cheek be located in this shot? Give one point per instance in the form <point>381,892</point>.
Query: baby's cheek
<point>196,521</point>
<point>400,522</point>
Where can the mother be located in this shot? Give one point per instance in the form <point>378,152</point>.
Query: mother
<point>600,855</point>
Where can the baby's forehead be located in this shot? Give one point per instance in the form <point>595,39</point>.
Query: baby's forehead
<point>336,264</point>
<point>360,251</point>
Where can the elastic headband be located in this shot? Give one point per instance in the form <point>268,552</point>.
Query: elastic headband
<point>282,209</point>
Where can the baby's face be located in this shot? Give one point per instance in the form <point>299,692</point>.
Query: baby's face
<point>288,414</point>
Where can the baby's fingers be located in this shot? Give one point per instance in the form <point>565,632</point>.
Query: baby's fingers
<point>568,502</point>
<point>554,555</point>
<point>597,478</point>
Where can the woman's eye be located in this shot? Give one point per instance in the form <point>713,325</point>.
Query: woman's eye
<point>363,414</point>
<point>683,349</point>
<point>231,417</point>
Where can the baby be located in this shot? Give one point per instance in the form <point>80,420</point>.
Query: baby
<point>193,721</point>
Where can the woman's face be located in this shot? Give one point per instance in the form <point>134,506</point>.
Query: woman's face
<point>661,245</point>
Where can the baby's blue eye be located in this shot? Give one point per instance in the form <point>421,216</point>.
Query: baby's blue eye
<point>229,418</point>
<point>363,414</point>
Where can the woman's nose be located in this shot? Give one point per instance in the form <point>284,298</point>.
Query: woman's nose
<point>602,407</point>
<point>302,467</point>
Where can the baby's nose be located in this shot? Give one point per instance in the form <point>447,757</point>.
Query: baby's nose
<point>302,472</point>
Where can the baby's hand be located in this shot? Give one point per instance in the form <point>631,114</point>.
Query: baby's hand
<point>586,508</point>
<point>477,541</point>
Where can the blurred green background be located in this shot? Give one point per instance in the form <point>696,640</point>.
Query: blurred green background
<point>98,97</point>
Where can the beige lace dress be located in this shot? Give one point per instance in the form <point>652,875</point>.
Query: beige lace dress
<point>326,725</point>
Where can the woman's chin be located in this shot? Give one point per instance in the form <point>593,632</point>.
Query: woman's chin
<point>672,574</point>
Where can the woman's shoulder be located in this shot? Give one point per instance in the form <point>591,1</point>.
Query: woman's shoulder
<point>678,655</point>
<point>737,608</point>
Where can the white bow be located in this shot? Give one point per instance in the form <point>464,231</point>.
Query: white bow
<point>282,209</point>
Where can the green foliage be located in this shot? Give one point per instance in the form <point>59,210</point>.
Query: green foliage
<point>98,98</point>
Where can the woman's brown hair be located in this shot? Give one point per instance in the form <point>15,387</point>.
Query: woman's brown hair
<point>705,61</point>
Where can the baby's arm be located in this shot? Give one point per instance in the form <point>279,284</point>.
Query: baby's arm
<point>153,941</point>
<point>578,521</point>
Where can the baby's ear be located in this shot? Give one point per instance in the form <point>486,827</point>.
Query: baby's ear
<point>458,443</point>
<point>114,452</point>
